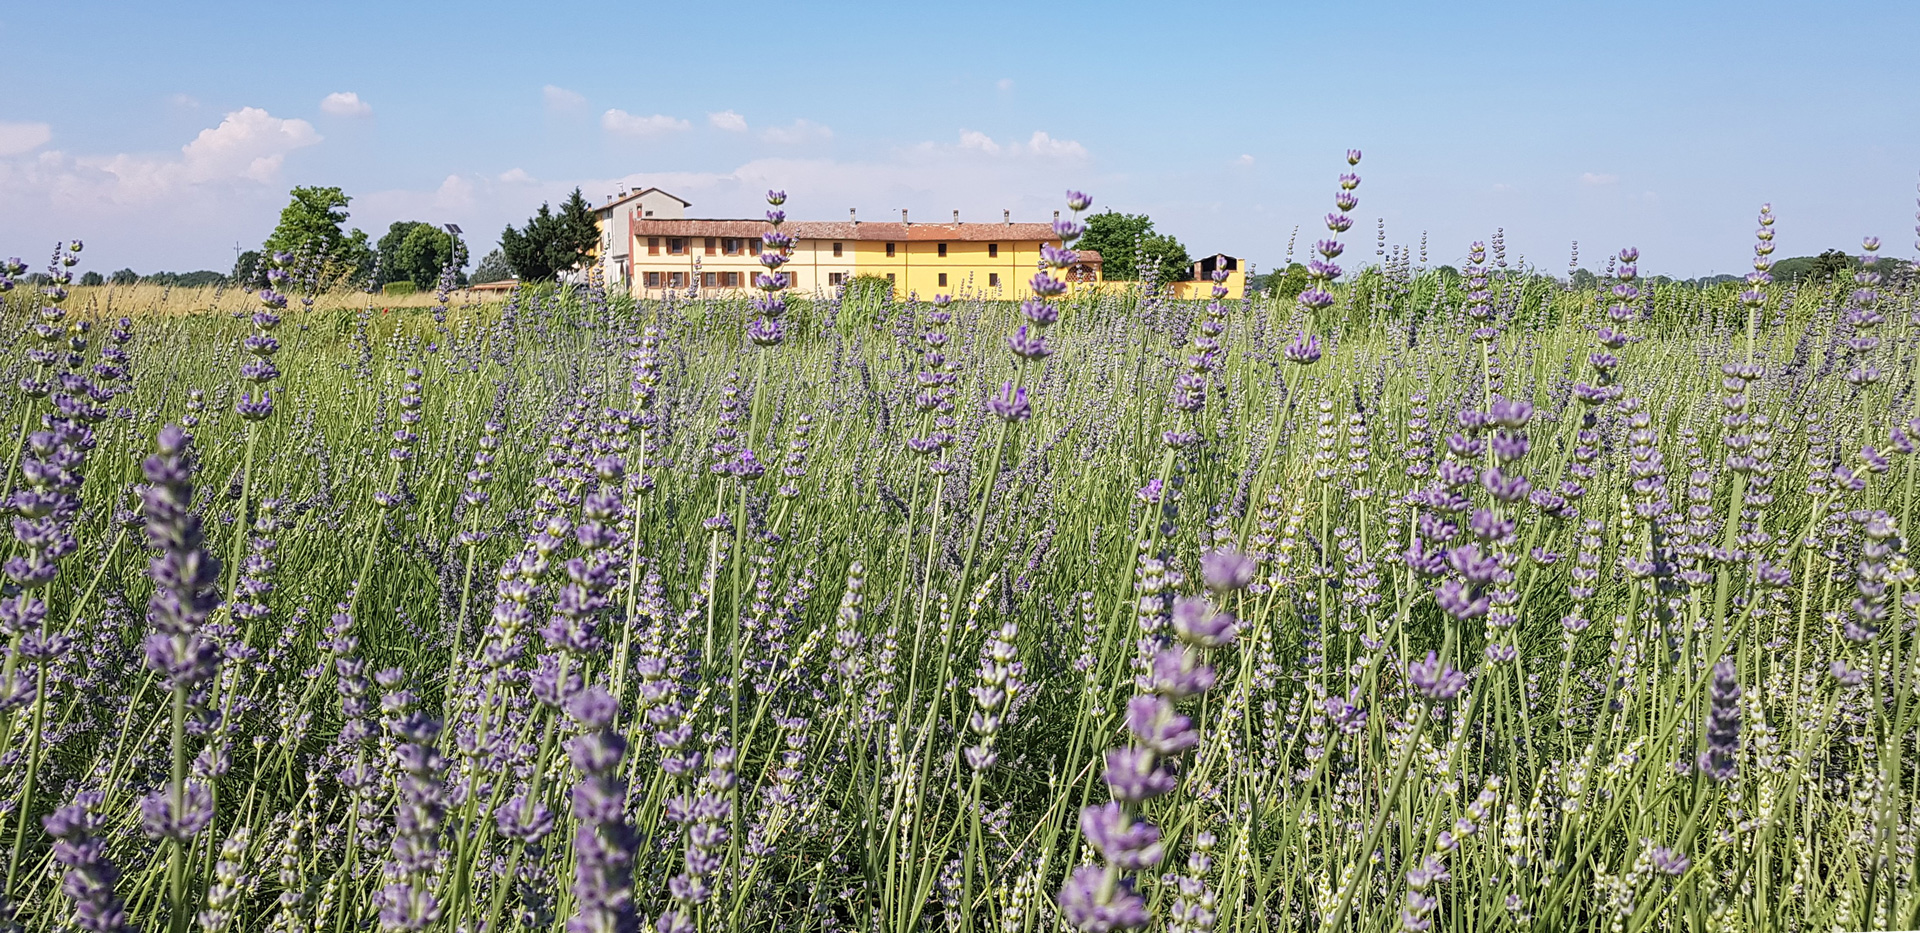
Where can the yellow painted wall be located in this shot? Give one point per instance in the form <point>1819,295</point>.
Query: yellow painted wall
<point>1202,289</point>
<point>917,265</point>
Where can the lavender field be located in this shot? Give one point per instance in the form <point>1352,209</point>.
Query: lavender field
<point>1419,601</point>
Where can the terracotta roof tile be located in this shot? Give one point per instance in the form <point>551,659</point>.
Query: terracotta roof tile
<point>847,230</point>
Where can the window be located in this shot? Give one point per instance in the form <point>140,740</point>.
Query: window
<point>677,279</point>
<point>676,246</point>
<point>836,278</point>
<point>889,250</point>
<point>943,280</point>
<point>943,252</point>
<point>889,275</point>
<point>836,249</point>
<point>730,279</point>
<point>753,246</point>
<point>653,246</point>
<point>730,246</point>
<point>649,213</point>
<point>993,280</point>
<point>653,280</point>
<point>710,279</point>
<point>711,245</point>
<point>993,251</point>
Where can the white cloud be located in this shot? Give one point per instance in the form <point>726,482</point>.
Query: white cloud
<point>559,99</point>
<point>1042,144</point>
<point>974,139</point>
<point>454,193</point>
<point>626,124</point>
<point>177,209</point>
<point>250,144</point>
<point>345,104</point>
<point>184,101</point>
<point>16,138</point>
<point>728,120</point>
<point>1005,84</point>
<point>516,176</point>
<point>1245,159</point>
<point>800,131</point>
<point>1594,179</point>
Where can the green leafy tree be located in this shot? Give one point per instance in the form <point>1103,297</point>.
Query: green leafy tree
<point>492,268</point>
<point>552,243</point>
<point>1168,257</point>
<point>1288,284</point>
<point>312,225</point>
<point>124,277</point>
<point>1126,241</point>
<point>248,269</point>
<point>92,278</point>
<point>415,251</point>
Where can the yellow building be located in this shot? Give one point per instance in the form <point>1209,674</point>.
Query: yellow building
<point>986,260</point>
<point>1201,285</point>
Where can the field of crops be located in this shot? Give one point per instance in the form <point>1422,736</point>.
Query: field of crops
<point>1417,602</point>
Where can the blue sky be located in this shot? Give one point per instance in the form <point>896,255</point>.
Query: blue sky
<point>164,133</point>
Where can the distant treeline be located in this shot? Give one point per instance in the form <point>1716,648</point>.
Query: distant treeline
<point>203,278</point>
<point>1292,280</point>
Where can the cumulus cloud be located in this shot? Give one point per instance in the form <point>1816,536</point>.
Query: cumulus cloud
<point>560,99</point>
<point>1040,144</point>
<point>155,209</point>
<point>345,104</point>
<point>516,176</point>
<point>974,139</point>
<point>622,123</point>
<point>1005,84</point>
<point>250,144</point>
<point>1595,179</point>
<point>799,131</point>
<point>16,138</point>
<point>728,120</point>
<point>1245,159</point>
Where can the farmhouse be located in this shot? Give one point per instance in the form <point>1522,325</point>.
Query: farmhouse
<point>663,250</point>
<point>615,218</point>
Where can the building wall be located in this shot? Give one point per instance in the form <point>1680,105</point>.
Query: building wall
<point>1236,284</point>
<point>970,267</point>
<point>660,205</point>
<point>974,266</point>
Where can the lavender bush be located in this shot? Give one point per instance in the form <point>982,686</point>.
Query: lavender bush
<point>1423,600</point>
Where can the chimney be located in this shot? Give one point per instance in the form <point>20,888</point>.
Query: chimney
<point>903,216</point>
<point>852,218</point>
<point>1006,217</point>
<point>1056,216</point>
<point>956,218</point>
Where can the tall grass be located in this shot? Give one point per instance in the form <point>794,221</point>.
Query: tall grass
<point>572,645</point>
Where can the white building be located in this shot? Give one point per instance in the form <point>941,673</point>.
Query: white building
<point>616,229</point>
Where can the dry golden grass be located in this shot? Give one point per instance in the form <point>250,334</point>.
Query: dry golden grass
<point>150,300</point>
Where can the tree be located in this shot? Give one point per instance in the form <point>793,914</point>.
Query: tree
<point>92,278</point>
<point>415,251</point>
<point>1125,241</point>
<point>124,277</point>
<point>1288,284</point>
<point>552,243</point>
<point>311,228</point>
<point>492,268</point>
<point>247,269</point>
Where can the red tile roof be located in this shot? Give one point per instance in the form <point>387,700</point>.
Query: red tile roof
<point>847,230</point>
